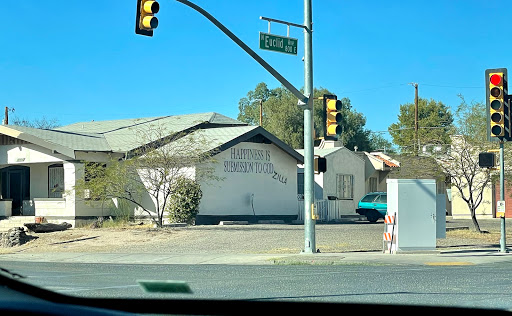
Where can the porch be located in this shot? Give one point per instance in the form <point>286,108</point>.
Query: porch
<point>30,187</point>
<point>44,189</point>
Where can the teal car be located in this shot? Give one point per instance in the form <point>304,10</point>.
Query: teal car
<point>373,205</point>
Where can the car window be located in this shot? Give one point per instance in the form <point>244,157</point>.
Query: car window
<point>369,198</point>
<point>383,198</point>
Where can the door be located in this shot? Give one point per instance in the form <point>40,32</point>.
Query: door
<point>16,192</point>
<point>380,204</point>
<point>16,186</point>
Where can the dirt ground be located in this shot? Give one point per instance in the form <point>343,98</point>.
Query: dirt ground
<point>359,236</point>
<point>95,240</point>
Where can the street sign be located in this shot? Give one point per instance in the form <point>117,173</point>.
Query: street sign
<point>278,43</point>
<point>500,208</point>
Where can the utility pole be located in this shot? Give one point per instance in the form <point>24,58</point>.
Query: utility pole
<point>416,139</point>
<point>309,180</point>
<point>261,112</point>
<point>6,115</point>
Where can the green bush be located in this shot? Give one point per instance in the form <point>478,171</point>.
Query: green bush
<point>183,204</point>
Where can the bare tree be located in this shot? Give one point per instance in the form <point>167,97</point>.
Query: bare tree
<point>152,169</point>
<point>42,123</point>
<point>461,163</point>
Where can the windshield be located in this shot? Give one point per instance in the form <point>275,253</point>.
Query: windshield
<point>220,149</point>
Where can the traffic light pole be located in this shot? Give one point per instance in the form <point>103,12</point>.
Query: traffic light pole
<point>309,169</point>
<point>503,239</point>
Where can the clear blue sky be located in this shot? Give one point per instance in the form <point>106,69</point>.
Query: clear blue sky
<point>82,61</point>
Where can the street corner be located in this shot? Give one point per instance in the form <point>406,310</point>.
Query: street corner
<point>471,256</point>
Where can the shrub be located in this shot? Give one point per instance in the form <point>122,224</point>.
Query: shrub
<point>183,204</point>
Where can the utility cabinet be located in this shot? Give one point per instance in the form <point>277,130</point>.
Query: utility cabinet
<point>413,204</point>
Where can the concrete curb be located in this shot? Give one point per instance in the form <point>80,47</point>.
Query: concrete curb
<point>439,257</point>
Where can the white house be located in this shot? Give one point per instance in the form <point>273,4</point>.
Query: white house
<point>39,168</point>
<point>349,176</point>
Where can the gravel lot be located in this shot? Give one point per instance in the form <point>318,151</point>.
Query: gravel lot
<point>270,238</point>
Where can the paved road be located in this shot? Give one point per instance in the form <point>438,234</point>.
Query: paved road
<point>470,286</point>
<point>237,262</point>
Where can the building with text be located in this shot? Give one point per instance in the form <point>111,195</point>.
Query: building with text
<point>256,172</point>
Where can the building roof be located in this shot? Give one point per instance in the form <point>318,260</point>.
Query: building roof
<point>125,135</point>
<point>388,161</point>
<point>218,131</point>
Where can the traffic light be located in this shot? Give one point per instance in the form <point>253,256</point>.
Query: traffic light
<point>487,160</point>
<point>146,21</point>
<point>320,164</point>
<point>333,118</point>
<point>498,106</point>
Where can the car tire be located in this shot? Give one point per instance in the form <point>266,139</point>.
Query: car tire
<point>372,218</point>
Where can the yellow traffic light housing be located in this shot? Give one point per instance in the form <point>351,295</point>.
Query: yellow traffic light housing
<point>333,117</point>
<point>146,21</point>
<point>496,101</point>
<point>498,107</point>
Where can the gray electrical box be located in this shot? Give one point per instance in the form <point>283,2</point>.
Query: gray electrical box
<point>413,202</point>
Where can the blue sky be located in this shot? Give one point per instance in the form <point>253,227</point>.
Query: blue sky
<point>81,60</point>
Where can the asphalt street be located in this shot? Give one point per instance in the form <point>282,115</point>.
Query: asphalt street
<point>487,286</point>
<point>235,263</point>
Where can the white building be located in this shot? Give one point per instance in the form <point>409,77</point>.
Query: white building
<point>39,168</point>
<point>349,176</point>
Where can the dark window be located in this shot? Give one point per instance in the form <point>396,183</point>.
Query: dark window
<point>55,181</point>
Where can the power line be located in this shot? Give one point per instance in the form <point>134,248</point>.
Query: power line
<point>453,87</point>
<point>403,84</point>
<point>375,88</point>
<point>407,128</point>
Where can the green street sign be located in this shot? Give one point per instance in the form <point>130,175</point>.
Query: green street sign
<point>279,44</point>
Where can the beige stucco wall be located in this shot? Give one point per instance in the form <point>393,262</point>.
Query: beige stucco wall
<point>460,208</point>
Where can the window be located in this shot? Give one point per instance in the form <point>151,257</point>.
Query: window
<point>300,184</point>
<point>345,186</point>
<point>373,184</point>
<point>383,198</point>
<point>369,198</point>
<point>93,169</point>
<point>55,181</point>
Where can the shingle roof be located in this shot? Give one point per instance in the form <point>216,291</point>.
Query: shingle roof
<point>124,135</point>
<point>387,162</point>
<point>74,141</point>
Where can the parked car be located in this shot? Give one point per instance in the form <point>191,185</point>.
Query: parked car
<point>373,205</point>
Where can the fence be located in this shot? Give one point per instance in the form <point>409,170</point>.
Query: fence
<point>327,210</point>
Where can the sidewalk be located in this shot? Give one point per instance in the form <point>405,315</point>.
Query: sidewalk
<point>439,257</point>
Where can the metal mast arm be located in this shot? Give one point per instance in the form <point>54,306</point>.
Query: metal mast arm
<point>248,50</point>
